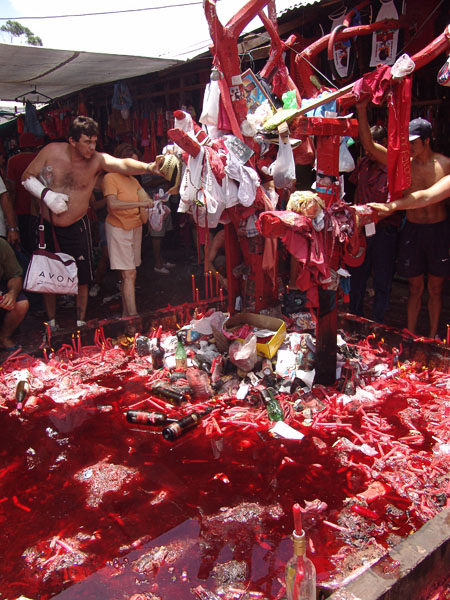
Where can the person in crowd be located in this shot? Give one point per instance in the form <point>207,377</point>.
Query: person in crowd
<point>75,166</point>
<point>8,220</point>
<point>424,240</point>
<point>98,205</point>
<point>12,299</point>
<point>370,179</point>
<point>125,198</point>
<point>160,221</point>
<point>24,203</point>
<point>215,260</point>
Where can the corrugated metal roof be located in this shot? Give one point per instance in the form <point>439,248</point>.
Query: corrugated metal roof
<point>56,73</point>
<point>295,5</point>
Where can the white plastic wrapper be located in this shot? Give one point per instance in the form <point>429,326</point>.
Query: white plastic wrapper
<point>203,326</point>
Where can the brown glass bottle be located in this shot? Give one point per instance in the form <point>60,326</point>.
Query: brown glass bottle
<point>22,391</point>
<point>157,351</point>
<point>180,427</point>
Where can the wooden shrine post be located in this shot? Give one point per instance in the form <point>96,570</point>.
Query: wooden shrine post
<point>328,132</point>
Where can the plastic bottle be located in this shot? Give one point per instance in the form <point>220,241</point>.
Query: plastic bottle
<point>46,175</point>
<point>180,355</point>
<point>178,428</point>
<point>199,384</point>
<point>273,408</point>
<point>216,369</point>
<point>300,571</point>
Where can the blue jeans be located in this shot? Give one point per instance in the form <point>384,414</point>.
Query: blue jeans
<point>379,261</point>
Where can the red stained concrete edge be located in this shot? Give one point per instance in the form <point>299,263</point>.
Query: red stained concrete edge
<point>424,559</point>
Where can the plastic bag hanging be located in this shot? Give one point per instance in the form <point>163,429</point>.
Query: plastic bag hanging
<point>121,99</point>
<point>210,111</point>
<point>403,66</point>
<point>283,171</point>
<point>346,161</point>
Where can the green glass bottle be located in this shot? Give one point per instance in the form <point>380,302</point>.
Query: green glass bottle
<point>273,408</point>
<point>180,356</point>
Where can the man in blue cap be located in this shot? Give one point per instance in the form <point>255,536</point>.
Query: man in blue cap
<point>424,241</point>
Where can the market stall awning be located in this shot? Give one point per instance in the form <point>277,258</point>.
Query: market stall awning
<point>56,73</point>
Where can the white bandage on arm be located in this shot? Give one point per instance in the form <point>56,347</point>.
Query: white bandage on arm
<point>56,201</point>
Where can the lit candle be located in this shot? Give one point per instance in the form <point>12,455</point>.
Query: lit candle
<point>197,298</point>
<point>45,355</point>
<point>297,519</point>
<point>210,285</point>
<point>103,352</point>
<point>447,339</point>
<point>217,283</point>
<point>193,287</point>
<point>49,333</point>
<point>221,294</point>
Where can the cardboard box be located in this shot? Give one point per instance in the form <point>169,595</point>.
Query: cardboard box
<point>270,348</point>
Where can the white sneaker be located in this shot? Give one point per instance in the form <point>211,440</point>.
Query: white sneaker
<point>53,325</point>
<point>81,323</point>
<point>162,270</point>
<point>95,289</point>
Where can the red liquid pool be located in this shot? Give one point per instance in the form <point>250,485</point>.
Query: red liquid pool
<point>92,506</point>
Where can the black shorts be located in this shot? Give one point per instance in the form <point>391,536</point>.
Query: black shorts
<point>76,241</point>
<point>424,249</point>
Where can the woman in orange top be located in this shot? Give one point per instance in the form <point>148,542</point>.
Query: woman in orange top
<point>124,198</point>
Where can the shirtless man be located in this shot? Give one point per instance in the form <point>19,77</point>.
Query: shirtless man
<point>424,241</point>
<point>75,167</point>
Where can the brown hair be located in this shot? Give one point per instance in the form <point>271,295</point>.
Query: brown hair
<point>82,125</point>
<point>125,150</point>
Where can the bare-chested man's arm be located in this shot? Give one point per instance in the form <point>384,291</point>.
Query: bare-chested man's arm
<point>420,199</point>
<point>129,166</point>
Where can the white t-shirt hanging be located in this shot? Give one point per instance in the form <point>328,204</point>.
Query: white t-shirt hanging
<point>384,43</point>
<point>341,49</point>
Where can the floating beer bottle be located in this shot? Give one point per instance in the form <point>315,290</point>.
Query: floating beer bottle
<point>144,417</point>
<point>178,428</point>
<point>300,571</point>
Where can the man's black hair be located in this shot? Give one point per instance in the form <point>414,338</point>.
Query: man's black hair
<point>82,125</point>
<point>379,134</point>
